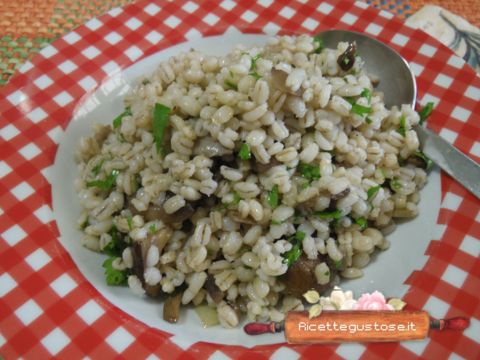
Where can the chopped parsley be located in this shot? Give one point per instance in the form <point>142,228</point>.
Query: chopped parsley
<point>299,236</point>
<point>425,158</point>
<point>402,129</point>
<point>106,184</point>
<point>357,108</point>
<point>425,112</point>
<point>130,222</point>
<point>145,82</point>
<point>362,222</point>
<point>367,94</point>
<point>338,264</point>
<point>273,197</point>
<point>114,276</point>
<point>309,172</point>
<point>329,215</point>
<point>360,109</point>
<point>369,120</point>
<point>161,115</point>
<point>96,169</point>
<point>291,256</point>
<point>231,85</point>
<point>235,201</point>
<point>319,44</point>
<point>117,122</point>
<point>372,192</point>
<point>255,75</point>
<point>85,224</point>
<point>116,245</point>
<point>244,152</point>
<point>395,185</point>
<point>253,65</point>
<point>152,228</point>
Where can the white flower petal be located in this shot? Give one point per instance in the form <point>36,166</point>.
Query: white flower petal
<point>312,296</point>
<point>314,311</point>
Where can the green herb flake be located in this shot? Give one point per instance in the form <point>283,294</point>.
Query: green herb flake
<point>368,120</point>
<point>319,44</point>
<point>130,222</point>
<point>244,152</point>
<point>117,122</point>
<point>96,169</point>
<point>328,215</point>
<point>253,65</point>
<point>395,185</point>
<point>161,114</point>
<point>425,158</point>
<point>309,172</point>
<point>235,201</point>
<point>114,276</point>
<point>273,197</point>
<point>231,85</point>
<point>338,264</point>
<point>85,224</point>
<point>116,245</point>
<point>425,112</point>
<point>277,222</point>
<point>351,100</point>
<point>362,222</point>
<point>256,75</point>
<point>326,273</point>
<point>106,184</point>
<point>292,255</point>
<point>299,236</point>
<point>145,82</point>
<point>360,109</point>
<point>402,129</point>
<point>305,185</point>
<point>152,228</point>
<point>372,192</point>
<point>367,94</point>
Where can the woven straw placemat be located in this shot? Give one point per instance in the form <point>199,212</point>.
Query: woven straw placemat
<point>28,25</point>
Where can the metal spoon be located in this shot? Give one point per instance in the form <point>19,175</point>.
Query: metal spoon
<point>397,82</point>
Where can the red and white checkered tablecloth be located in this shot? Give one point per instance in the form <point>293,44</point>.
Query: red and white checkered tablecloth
<point>48,309</point>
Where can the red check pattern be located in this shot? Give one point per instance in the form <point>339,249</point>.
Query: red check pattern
<point>48,309</point>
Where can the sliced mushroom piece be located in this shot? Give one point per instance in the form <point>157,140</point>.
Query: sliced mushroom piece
<point>171,308</point>
<point>153,290</point>
<point>341,194</point>
<point>279,78</point>
<point>160,238</point>
<point>300,277</point>
<point>213,290</point>
<point>346,60</point>
<point>263,168</point>
<point>101,133</point>
<point>156,212</point>
<point>138,264</point>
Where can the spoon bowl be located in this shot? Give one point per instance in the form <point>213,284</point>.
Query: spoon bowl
<point>399,87</point>
<point>397,80</point>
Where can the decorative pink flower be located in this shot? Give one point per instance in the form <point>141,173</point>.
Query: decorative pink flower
<point>373,301</point>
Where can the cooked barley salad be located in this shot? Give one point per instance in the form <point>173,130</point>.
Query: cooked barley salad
<point>236,183</point>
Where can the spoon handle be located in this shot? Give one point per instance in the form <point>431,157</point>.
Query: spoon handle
<point>452,161</point>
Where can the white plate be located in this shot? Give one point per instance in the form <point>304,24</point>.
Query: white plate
<point>386,273</point>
